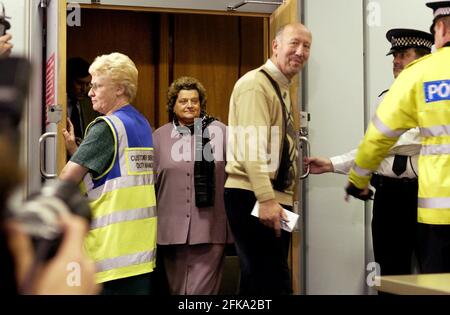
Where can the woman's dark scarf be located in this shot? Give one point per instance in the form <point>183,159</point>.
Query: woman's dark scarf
<point>204,167</point>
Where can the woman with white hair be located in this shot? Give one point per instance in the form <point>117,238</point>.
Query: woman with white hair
<point>114,161</point>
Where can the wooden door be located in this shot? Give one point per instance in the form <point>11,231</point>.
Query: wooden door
<point>129,32</point>
<point>217,50</point>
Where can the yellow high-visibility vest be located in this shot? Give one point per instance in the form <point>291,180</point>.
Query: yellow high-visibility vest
<point>122,236</point>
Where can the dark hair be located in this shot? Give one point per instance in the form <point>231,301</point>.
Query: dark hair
<point>76,68</point>
<point>185,83</point>
<point>420,52</point>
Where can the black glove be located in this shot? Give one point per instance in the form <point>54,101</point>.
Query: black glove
<point>354,191</point>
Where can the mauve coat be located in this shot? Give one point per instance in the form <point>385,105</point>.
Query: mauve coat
<point>179,220</point>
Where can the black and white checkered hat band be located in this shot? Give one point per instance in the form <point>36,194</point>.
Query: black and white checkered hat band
<point>442,11</point>
<point>410,42</point>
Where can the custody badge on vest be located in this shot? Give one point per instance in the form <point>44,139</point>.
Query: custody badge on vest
<point>139,160</point>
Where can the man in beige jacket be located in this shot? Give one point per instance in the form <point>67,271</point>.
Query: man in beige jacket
<point>261,163</point>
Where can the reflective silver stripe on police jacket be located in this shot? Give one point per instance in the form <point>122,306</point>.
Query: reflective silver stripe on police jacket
<point>434,203</point>
<point>435,131</point>
<point>124,261</point>
<point>388,132</point>
<point>435,149</point>
<point>123,216</point>
<point>121,182</point>
<point>361,171</point>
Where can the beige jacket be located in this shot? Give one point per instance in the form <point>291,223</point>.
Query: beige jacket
<point>255,109</point>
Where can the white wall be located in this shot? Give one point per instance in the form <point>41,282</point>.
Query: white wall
<point>335,98</point>
<point>18,11</point>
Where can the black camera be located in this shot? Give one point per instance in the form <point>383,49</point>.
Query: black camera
<point>4,24</point>
<point>38,215</point>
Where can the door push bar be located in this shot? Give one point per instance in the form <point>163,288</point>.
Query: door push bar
<point>303,139</point>
<point>42,140</point>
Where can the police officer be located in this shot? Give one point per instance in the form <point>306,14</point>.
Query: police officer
<point>420,96</point>
<point>394,219</point>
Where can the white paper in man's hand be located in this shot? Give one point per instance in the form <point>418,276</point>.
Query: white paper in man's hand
<point>285,225</point>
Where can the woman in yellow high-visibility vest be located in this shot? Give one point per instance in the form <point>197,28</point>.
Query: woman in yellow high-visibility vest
<point>115,163</point>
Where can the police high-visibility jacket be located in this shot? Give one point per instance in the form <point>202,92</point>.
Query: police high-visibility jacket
<point>420,96</point>
<point>122,236</point>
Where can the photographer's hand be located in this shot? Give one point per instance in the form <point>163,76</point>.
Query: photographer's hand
<point>5,45</point>
<point>70,271</point>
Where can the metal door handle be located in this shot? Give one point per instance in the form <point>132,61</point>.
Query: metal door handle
<point>308,147</point>
<point>42,140</point>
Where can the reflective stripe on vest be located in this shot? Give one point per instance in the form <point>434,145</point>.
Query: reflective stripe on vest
<point>124,261</point>
<point>123,216</point>
<point>123,142</point>
<point>435,149</point>
<point>122,239</point>
<point>435,131</point>
<point>120,182</point>
<point>434,202</point>
<point>361,171</point>
<point>388,132</point>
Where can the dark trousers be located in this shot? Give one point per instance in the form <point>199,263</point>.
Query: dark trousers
<point>262,255</point>
<point>135,285</point>
<point>434,248</point>
<point>394,224</point>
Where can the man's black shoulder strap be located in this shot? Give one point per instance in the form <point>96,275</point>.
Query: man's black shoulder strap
<point>275,86</point>
<point>281,181</point>
<point>277,90</point>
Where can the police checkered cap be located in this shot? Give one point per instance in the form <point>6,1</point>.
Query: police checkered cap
<point>440,9</point>
<point>402,38</point>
